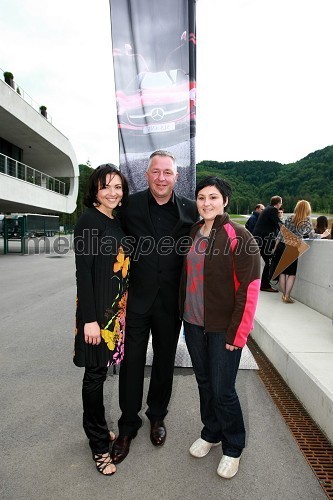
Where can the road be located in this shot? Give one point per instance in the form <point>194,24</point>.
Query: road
<point>44,452</point>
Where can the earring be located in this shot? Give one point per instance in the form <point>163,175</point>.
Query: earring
<point>119,204</point>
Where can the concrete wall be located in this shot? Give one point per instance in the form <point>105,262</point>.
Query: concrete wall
<point>314,280</point>
<point>50,151</point>
<point>25,197</point>
<point>44,148</point>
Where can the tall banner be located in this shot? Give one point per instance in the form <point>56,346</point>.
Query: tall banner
<point>154,56</point>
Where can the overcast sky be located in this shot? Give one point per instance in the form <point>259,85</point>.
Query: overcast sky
<point>264,74</point>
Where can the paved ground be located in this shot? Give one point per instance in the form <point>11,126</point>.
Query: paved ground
<point>44,453</point>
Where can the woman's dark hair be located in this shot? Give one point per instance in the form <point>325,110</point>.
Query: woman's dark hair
<point>97,181</point>
<point>321,224</point>
<point>220,184</point>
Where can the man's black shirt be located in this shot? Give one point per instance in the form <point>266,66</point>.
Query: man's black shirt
<point>164,217</point>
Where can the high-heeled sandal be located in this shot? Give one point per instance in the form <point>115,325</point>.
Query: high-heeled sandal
<point>288,300</point>
<point>102,461</point>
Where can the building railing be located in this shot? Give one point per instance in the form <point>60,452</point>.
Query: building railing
<point>19,170</point>
<point>25,96</point>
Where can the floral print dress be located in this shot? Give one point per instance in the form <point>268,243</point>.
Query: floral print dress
<point>102,282</point>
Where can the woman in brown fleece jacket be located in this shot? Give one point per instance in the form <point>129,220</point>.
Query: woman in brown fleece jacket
<point>218,297</point>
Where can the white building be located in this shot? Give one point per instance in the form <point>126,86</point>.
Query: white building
<point>33,155</point>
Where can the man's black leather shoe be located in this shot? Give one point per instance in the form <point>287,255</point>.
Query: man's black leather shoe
<point>157,432</point>
<point>121,448</point>
<point>269,289</point>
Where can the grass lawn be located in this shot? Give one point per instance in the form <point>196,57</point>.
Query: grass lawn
<point>241,219</point>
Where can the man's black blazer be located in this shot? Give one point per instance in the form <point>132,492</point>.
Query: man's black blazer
<point>268,222</point>
<point>155,265</point>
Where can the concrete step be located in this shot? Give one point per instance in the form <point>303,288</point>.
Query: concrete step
<point>183,359</point>
<point>299,343</point>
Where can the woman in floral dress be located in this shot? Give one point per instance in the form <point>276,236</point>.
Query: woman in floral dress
<point>102,281</point>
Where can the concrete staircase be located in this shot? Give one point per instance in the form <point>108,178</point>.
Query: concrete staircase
<point>298,340</point>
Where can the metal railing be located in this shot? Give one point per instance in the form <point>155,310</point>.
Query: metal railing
<point>25,96</point>
<point>14,168</point>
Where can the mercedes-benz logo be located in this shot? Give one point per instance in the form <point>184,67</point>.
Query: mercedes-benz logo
<point>157,114</point>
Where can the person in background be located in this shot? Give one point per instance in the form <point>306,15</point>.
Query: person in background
<point>280,214</point>
<point>252,220</point>
<point>279,249</point>
<point>155,219</point>
<point>299,223</point>
<point>322,225</point>
<point>102,281</point>
<point>265,232</point>
<point>218,318</point>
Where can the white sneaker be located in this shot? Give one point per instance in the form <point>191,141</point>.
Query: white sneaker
<point>200,448</point>
<point>228,467</point>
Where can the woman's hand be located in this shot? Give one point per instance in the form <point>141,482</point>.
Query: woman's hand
<point>92,333</point>
<point>325,233</point>
<point>230,347</point>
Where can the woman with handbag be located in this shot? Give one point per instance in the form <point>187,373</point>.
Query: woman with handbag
<point>300,224</point>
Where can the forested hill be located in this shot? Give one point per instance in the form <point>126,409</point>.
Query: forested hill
<point>257,181</point>
<point>310,178</point>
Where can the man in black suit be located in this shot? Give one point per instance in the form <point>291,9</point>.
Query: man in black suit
<point>265,231</point>
<point>156,221</point>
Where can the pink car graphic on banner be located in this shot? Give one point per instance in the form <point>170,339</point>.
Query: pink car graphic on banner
<point>155,103</point>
